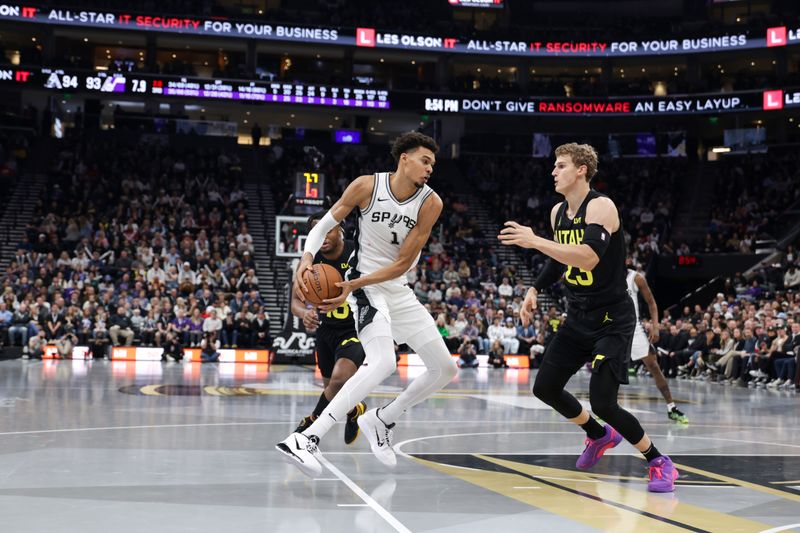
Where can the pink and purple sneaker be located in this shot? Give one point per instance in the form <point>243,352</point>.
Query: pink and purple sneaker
<point>595,448</point>
<point>662,475</point>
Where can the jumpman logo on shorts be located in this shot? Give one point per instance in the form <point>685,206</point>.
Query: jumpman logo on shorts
<point>607,318</point>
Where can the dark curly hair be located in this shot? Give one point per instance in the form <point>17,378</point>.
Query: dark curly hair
<point>408,142</point>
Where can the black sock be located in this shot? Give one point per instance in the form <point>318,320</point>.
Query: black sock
<point>593,428</point>
<point>321,405</point>
<point>651,453</point>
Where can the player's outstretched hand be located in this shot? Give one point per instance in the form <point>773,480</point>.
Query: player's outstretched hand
<point>300,288</point>
<point>528,308</point>
<point>515,234</point>
<point>311,320</point>
<point>332,303</point>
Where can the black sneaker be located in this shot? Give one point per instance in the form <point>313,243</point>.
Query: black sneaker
<point>351,426</point>
<point>305,423</point>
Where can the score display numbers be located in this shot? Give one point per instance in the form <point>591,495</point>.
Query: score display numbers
<point>309,189</point>
<point>309,192</point>
<point>239,90</point>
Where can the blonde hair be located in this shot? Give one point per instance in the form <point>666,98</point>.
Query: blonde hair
<point>581,154</point>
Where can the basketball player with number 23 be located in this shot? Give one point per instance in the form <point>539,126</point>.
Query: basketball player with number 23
<point>396,213</point>
<point>589,245</point>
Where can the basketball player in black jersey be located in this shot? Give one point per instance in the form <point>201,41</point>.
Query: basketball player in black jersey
<point>339,352</point>
<point>589,251</point>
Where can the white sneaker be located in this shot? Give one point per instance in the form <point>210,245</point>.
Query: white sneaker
<point>379,436</point>
<point>301,450</point>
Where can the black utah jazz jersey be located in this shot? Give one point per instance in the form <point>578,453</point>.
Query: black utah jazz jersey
<point>605,284</point>
<point>340,317</point>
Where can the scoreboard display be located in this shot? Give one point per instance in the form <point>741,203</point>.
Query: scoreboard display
<point>120,83</point>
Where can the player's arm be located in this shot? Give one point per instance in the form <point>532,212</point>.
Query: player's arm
<point>601,221</point>
<point>409,250</point>
<point>309,315</point>
<point>647,294</point>
<point>551,273</point>
<point>357,194</point>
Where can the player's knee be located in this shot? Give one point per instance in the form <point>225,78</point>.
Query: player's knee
<point>385,367</point>
<point>604,408</point>
<point>543,391</point>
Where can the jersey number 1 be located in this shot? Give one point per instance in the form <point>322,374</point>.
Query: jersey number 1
<point>394,238</point>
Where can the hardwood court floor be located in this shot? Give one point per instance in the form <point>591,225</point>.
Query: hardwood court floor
<point>130,447</point>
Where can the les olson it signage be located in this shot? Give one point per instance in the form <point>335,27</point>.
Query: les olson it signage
<point>370,38</point>
<point>774,100</point>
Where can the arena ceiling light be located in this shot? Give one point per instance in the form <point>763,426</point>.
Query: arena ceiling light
<point>721,149</point>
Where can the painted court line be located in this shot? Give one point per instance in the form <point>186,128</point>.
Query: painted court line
<point>781,528</point>
<point>368,500</point>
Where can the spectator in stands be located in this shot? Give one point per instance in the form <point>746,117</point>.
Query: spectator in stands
<point>53,322</point>
<point>786,367</point>
<point>791,280</point>
<point>187,278</point>
<point>505,290</point>
<point>467,356</point>
<point>510,341</point>
<point>180,326</point>
<point>472,332</point>
<point>777,351</point>
<point>209,347</point>
<point>526,336</point>
<point>36,345</point>
<point>212,324</point>
<point>195,328</point>
<point>172,348</point>
<point>6,317</point>
<point>261,330</point>
<point>229,332</point>
<point>20,323</point>
<point>244,326</point>
<point>497,355</point>
<point>120,325</point>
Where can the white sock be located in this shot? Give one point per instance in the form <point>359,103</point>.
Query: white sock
<point>378,365</point>
<point>670,406</point>
<point>441,369</point>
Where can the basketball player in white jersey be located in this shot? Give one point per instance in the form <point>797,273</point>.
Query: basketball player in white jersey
<point>396,212</point>
<point>642,348</point>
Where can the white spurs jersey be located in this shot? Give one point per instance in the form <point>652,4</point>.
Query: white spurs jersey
<point>633,290</point>
<point>382,228</point>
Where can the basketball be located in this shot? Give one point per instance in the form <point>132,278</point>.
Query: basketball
<point>321,283</point>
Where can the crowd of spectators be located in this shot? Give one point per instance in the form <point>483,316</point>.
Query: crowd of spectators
<point>751,193</point>
<point>161,255</point>
<point>135,243</point>
<point>748,336</point>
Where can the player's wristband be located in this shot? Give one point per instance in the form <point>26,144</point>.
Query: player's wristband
<point>597,238</point>
<point>317,234</point>
<point>550,274</point>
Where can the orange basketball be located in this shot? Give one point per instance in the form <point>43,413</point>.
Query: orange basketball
<point>321,283</point>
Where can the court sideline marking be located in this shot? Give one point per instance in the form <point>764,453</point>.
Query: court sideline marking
<point>368,500</point>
